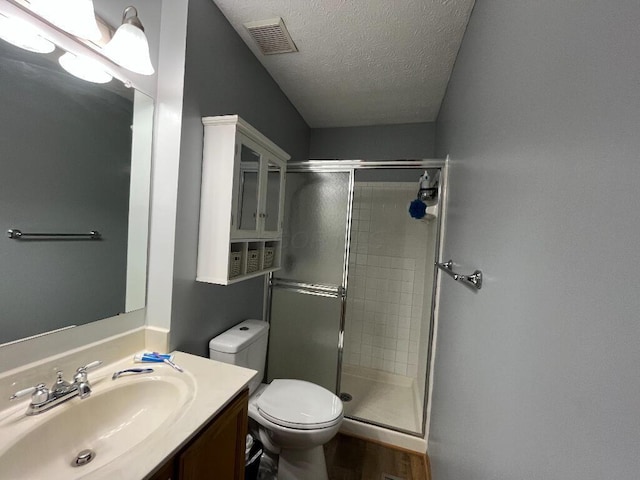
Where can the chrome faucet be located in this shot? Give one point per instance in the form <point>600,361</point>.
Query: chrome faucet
<point>81,381</point>
<point>43,399</point>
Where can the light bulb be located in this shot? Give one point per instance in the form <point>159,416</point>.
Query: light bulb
<point>23,35</point>
<point>84,68</point>
<point>129,47</point>
<point>76,17</point>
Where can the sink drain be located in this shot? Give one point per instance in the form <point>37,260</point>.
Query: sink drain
<point>346,397</point>
<point>84,457</point>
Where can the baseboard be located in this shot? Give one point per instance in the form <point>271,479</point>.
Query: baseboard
<point>427,466</point>
<point>384,436</point>
<point>381,443</point>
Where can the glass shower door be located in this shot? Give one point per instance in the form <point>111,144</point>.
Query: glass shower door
<point>308,293</point>
<point>372,346</point>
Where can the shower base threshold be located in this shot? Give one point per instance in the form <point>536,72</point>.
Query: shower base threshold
<point>382,398</point>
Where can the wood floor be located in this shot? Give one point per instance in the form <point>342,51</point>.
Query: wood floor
<point>350,458</point>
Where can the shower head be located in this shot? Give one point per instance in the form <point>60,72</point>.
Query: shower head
<point>428,189</point>
<point>428,196</point>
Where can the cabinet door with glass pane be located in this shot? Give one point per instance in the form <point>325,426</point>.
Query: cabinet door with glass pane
<point>259,192</point>
<point>271,212</point>
<point>246,197</point>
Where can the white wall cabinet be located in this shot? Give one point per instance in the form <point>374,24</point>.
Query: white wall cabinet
<point>241,202</point>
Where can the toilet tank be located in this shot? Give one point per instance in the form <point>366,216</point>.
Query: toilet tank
<point>244,345</point>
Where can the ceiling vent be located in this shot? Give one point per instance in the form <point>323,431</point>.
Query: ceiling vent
<point>271,36</point>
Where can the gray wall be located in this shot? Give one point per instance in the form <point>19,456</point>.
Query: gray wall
<point>222,77</point>
<point>537,375</point>
<point>65,149</point>
<point>380,142</point>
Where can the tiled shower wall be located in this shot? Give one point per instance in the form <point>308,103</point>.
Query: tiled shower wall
<point>386,279</point>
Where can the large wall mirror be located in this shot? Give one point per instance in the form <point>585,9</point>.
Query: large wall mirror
<point>74,157</point>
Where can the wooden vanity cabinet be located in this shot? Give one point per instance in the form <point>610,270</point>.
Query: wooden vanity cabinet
<point>217,451</point>
<point>165,472</point>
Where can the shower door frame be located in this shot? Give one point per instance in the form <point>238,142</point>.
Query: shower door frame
<point>350,166</point>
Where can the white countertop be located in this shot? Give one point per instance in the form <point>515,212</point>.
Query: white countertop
<point>214,385</point>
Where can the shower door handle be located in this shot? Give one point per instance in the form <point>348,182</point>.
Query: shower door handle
<point>336,291</point>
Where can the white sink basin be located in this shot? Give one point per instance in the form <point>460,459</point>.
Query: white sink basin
<point>116,417</point>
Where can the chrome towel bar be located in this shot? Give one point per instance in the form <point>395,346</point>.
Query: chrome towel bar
<point>474,280</point>
<point>16,234</point>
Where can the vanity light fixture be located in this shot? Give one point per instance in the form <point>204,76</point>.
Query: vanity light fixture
<point>23,35</point>
<point>129,47</point>
<point>84,68</point>
<point>76,17</point>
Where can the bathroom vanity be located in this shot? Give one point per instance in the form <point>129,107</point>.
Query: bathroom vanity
<point>218,447</point>
<point>160,425</point>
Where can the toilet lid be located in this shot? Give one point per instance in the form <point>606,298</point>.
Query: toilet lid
<point>299,404</point>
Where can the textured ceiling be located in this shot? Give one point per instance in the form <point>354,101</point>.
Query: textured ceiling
<point>360,62</point>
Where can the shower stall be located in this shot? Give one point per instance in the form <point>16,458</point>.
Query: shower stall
<point>352,307</point>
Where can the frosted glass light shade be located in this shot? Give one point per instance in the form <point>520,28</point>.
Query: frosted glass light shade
<point>22,35</point>
<point>84,68</point>
<point>129,48</point>
<point>76,17</point>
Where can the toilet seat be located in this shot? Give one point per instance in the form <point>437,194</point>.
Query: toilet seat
<point>299,405</point>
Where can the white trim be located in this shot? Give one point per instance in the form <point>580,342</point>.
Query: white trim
<point>240,278</point>
<point>166,159</point>
<point>246,129</point>
<point>139,198</point>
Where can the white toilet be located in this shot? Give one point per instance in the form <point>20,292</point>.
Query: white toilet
<point>295,418</point>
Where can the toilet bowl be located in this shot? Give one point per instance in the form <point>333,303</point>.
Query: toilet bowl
<point>293,418</point>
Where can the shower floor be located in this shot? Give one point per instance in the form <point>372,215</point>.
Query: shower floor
<point>382,398</point>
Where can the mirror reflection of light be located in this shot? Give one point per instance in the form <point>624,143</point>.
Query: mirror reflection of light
<point>22,35</point>
<point>76,17</point>
<point>84,68</point>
